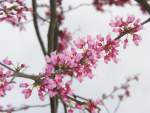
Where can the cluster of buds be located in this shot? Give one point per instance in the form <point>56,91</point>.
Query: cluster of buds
<point>13,11</point>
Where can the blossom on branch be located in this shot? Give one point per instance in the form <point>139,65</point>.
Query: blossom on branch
<point>13,12</point>
<point>129,26</point>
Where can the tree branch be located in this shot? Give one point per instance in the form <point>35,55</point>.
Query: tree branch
<point>117,107</point>
<point>77,7</point>
<point>35,22</point>
<point>50,38</point>
<point>22,108</point>
<point>51,30</point>
<point>144,4</point>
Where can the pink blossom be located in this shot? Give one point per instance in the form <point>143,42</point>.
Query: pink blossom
<point>99,4</point>
<point>64,38</point>
<point>131,26</point>
<point>78,106</point>
<point>13,12</point>
<point>7,61</point>
<point>70,111</point>
<point>110,49</point>
<point>130,19</point>
<point>23,66</point>
<point>4,86</point>
<point>136,39</point>
<point>41,95</point>
<point>27,93</point>
<point>92,105</point>
<point>80,43</point>
<point>121,25</point>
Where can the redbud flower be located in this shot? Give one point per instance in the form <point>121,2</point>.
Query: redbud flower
<point>27,93</point>
<point>13,11</point>
<point>7,61</point>
<point>131,26</point>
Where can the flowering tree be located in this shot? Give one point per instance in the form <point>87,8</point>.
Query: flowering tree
<point>64,62</point>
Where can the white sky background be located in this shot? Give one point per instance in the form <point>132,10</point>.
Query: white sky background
<point>23,47</point>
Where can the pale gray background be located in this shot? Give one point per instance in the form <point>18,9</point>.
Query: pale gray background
<point>23,47</point>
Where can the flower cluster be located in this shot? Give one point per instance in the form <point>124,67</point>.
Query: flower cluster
<point>77,63</point>
<point>63,67</point>
<point>57,86</point>
<point>13,11</point>
<point>92,106</point>
<point>109,47</point>
<point>131,26</point>
<point>99,4</point>
<point>5,75</point>
<point>26,91</point>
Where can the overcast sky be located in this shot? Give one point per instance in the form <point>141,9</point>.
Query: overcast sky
<point>23,47</point>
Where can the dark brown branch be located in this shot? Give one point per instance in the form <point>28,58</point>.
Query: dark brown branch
<point>50,39</point>
<point>63,103</point>
<point>35,22</point>
<point>53,105</point>
<point>144,4</point>
<point>65,107</point>
<point>52,26</point>
<point>56,37</point>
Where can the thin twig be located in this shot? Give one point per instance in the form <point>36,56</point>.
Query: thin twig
<point>77,7</point>
<point>105,107</point>
<point>22,108</point>
<point>19,74</point>
<point>117,107</point>
<point>34,6</point>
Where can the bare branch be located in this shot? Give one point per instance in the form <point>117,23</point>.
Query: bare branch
<point>25,107</point>
<point>76,7</point>
<point>34,5</point>
<point>117,107</point>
